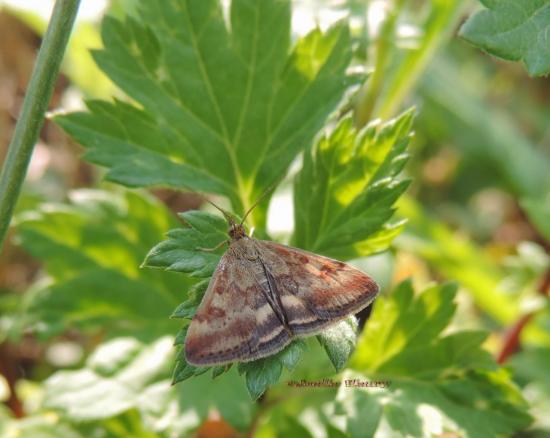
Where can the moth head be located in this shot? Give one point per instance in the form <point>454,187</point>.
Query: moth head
<point>236,231</point>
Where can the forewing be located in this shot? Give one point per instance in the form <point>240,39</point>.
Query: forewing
<point>315,291</point>
<point>234,322</point>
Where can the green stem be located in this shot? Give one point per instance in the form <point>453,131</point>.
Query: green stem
<point>439,25</point>
<point>384,48</point>
<point>35,105</point>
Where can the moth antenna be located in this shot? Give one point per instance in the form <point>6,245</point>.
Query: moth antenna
<point>227,215</point>
<point>260,199</point>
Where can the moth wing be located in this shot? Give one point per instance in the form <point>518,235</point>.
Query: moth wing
<point>234,322</point>
<point>316,291</point>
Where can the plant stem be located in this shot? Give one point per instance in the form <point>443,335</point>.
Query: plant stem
<point>512,339</point>
<point>439,25</point>
<point>36,101</point>
<point>512,342</point>
<point>374,85</point>
<point>10,369</point>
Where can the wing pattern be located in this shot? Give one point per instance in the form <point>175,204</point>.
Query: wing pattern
<point>262,294</point>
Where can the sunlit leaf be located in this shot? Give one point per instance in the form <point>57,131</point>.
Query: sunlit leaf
<point>124,375</point>
<point>112,381</point>
<point>345,192</point>
<point>223,107</point>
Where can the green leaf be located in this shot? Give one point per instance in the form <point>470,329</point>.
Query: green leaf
<point>479,404</point>
<point>404,322</point>
<point>181,252</point>
<point>39,426</point>
<point>262,373</point>
<point>513,30</point>
<point>92,250</point>
<point>227,395</point>
<point>219,370</point>
<point>290,426</point>
<point>339,341</point>
<point>345,192</point>
<point>530,367</point>
<point>220,107</point>
<point>124,375</point>
<point>435,381</point>
<point>112,381</point>
<point>363,413</point>
<point>461,259</point>
<point>187,309</point>
<point>181,335</point>
<point>438,22</point>
<point>184,249</point>
<point>183,370</point>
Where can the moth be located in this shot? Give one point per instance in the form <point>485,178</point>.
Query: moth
<point>263,295</point>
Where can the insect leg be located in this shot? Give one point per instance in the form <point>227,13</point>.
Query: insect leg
<point>218,246</point>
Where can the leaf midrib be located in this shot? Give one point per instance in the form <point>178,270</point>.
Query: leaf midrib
<point>248,89</point>
<point>213,99</point>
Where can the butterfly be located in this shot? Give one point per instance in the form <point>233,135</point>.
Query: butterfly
<point>263,295</point>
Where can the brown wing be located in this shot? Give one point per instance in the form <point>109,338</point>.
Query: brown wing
<point>315,291</point>
<point>234,321</point>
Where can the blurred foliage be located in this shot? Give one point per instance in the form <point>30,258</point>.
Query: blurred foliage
<point>96,259</point>
<point>457,112</point>
<point>437,382</point>
<point>229,101</point>
<point>78,65</point>
<point>539,212</point>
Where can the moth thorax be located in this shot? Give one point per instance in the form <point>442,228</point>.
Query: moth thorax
<point>236,231</point>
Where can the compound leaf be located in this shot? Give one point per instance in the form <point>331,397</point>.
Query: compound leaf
<point>220,108</point>
<point>345,192</point>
